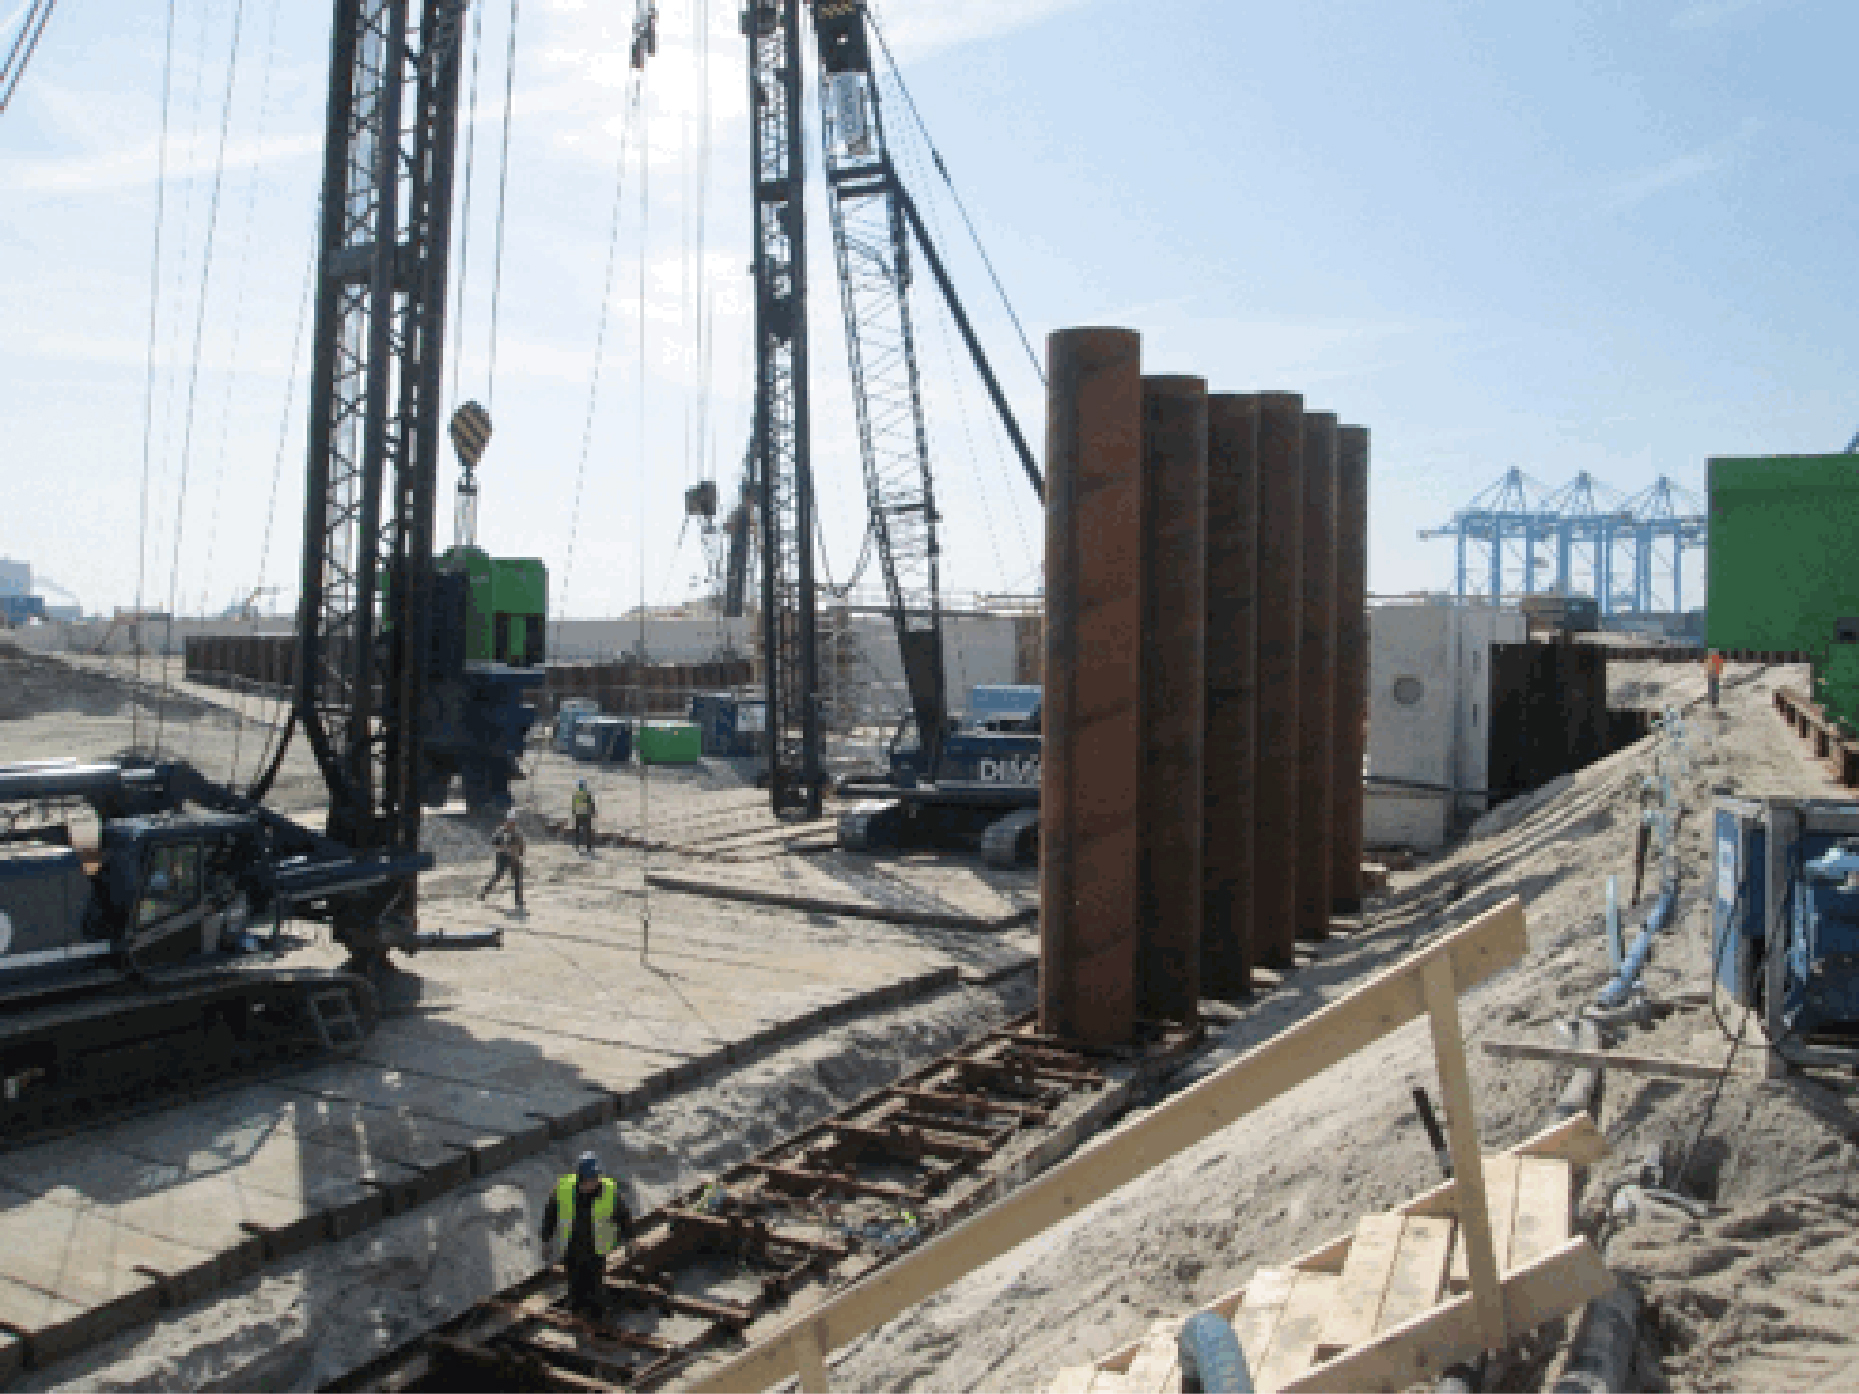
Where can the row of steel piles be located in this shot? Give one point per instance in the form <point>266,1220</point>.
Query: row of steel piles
<point>1205,686</point>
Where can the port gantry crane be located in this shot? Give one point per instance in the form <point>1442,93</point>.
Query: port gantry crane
<point>874,222</point>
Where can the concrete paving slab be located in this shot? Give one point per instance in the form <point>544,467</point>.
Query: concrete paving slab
<point>52,1327</point>
<point>267,1155</point>
<point>87,1257</point>
<point>512,1067</point>
<point>516,1131</point>
<point>580,1064</point>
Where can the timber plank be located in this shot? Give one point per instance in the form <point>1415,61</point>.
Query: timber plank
<point>1294,1343</point>
<point>1366,1271</point>
<point>1256,1318</point>
<point>1501,1200</point>
<point>1156,1368</point>
<point>1419,1269</point>
<point>1544,1191</point>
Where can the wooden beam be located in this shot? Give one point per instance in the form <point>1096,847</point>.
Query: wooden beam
<point>1603,1059</point>
<point>1468,1168</point>
<point>1419,1351</point>
<point>1494,941</point>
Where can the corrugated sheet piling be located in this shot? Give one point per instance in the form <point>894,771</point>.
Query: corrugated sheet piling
<point>1230,720</point>
<point>1280,621</point>
<point>1090,846</point>
<point>1316,694</point>
<point>1174,449</point>
<point>1351,714</point>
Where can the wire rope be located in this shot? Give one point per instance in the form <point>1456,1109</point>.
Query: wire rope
<point>503,190</point>
<point>193,376</point>
<point>645,783</point>
<point>464,202</point>
<point>943,169</point>
<point>25,44</point>
<point>148,388</point>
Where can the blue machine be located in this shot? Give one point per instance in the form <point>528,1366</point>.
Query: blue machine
<point>730,725</point>
<point>1003,706</point>
<point>606,740</point>
<point>1788,874</point>
<point>572,713</point>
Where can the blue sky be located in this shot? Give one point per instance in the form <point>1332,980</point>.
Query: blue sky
<point>1607,236</point>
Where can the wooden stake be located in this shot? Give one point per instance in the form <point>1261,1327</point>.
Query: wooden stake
<point>1455,1084</point>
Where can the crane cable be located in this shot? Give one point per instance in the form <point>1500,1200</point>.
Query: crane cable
<point>503,189</point>
<point>600,342</point>
<point>645,784</point>
<point>193,378</point>
<point>464,208</point>
<point>897,75</point>
<point>25,43</point>
<point>148,389</point>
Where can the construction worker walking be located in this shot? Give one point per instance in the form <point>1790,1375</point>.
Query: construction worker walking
<point>587,1219</point>
<point>582,806</point>
<point>1713,676</point>
<point>509,845</point>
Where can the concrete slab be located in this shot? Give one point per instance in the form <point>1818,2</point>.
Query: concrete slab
<point>53,1327</point>
<point>87,1257</point>
<point>515,1130</point>
<point>581,1064</point>
<point>545,1086</point>
<point>265,1154</point>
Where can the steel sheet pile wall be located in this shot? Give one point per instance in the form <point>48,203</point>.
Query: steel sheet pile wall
<point>665,688</point>
<point>1351,713</point>
<point>241,660</point>
<point>1206,679</point>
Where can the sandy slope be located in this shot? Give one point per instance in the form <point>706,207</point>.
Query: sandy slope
<point>1736,1309</point>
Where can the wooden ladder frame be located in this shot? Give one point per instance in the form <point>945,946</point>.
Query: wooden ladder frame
<point>1425,983</point>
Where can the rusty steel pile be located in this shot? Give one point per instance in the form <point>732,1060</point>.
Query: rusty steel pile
<point>1206,686</point>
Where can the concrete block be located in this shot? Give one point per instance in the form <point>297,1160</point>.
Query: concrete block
<point>53,1327</point>
<point>12,1356</point>
<point>503,1126</point>
<point>88,1257</point>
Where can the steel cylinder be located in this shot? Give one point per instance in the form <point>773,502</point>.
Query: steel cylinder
<point>1316,693</point>
<point>1174,463</point>
<point>1230,720</point>
<point>1090,845</point>
<point>1280,623</point>
<point>1351,714</point>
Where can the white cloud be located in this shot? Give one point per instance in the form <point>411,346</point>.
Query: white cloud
<point>1683,169</point>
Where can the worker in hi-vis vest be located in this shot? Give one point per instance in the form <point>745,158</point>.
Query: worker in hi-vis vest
<point>586,1212</point>
<point>581,805</point>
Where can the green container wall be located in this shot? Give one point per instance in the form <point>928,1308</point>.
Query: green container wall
<point>1783,560</point>
<point>670,743</point>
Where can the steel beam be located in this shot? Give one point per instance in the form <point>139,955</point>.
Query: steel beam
<point>1316,696</point>
<point>1230,721</point>
<point>1174,467</point>
<point>1089,844</point>
<point>1281,533</point>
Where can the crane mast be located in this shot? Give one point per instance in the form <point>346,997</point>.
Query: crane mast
<point>375,430</point>
<point>871,243</point>
<point>780,447</point>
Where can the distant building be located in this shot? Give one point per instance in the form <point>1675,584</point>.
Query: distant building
<point>15,578</point>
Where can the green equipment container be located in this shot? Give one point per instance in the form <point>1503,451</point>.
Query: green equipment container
<point>509,606</point>
<point>670,743</point>
<point>1783,565</point>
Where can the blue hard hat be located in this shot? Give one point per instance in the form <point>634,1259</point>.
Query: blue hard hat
<point>588,1168</point>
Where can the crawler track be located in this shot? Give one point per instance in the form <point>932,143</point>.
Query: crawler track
<point>722,1264</point>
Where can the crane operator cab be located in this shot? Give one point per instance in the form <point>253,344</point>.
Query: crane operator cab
<point>165,888</point>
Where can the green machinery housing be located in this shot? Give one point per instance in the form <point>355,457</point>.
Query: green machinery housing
<point>488,626</point>
<point>1783,566</point>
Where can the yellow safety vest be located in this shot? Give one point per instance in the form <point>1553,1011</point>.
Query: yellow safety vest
<point>583,804</point>
<point>606,1233</point>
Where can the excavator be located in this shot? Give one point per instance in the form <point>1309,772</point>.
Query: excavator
<point>133,891</point>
